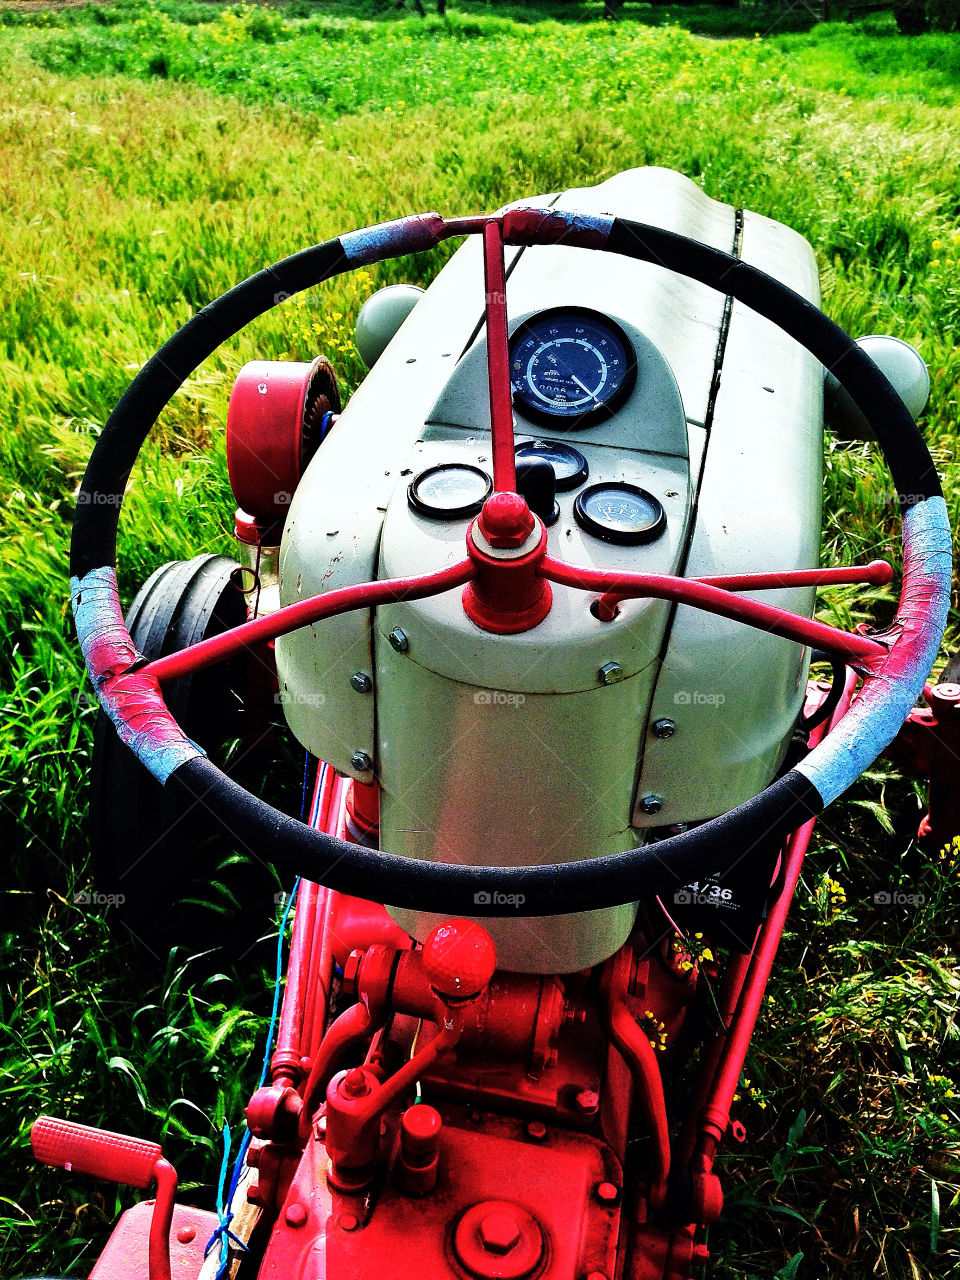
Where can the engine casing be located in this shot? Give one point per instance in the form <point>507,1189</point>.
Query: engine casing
<point>509,750</point>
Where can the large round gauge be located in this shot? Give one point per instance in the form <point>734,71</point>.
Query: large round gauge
<point>620,512</point>
<point>451,491</point>
<point>571,365</point>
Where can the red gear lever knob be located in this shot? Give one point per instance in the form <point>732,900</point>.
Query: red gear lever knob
<point>459,959</point>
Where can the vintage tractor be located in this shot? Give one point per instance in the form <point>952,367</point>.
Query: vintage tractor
<point>540,601</point>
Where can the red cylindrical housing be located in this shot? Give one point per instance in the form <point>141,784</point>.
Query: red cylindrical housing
<point>507,593</point>
<point>273,421</point>
<point>416,1169</point>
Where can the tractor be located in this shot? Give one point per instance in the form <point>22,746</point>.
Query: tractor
<point>539,602</point>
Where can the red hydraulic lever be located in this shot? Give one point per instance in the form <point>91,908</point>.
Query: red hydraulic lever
<point>78,1148</point>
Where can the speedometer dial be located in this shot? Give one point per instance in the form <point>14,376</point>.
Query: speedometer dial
<point>572,365</point>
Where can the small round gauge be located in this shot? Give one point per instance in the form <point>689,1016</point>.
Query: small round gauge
<point>571,365</point>
<point>451,491</point>
<point>569,464</point>
<point>620,512</point>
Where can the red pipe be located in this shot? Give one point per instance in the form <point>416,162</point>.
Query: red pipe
<point>285,1063</point>
<point>640,1056</point>
<point>715,1116</point>
<point>727,999</point>
<point>318,961</point>
<point>715,600</point>
<point>498,360</point>
<point>299,992</point>
<point>328,908</point>
<point>364,595</point>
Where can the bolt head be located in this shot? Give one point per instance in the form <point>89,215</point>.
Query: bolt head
<point>361,762</point>
<point>295,1216</point>
<point>361,682</point>
<point>663,728</point>
<point>186,1234</point>
<point>537,1130</point>
<point>499,1232</point>
<point>398,640</point>
<point>608,1192</point>
<point>355,1083</point>
<point>588,1102</point>
<point>506,520</point>
<point>610,673</point>
<point>350,971</point>
<point>651,804</point>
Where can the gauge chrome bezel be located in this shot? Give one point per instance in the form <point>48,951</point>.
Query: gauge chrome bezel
<point>621,537</point>
<point>463,512</point>
<point>564,483</point>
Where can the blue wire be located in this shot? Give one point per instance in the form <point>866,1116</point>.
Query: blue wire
<point>223,1232</point>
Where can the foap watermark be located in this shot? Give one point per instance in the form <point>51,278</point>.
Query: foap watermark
<point>909,99</point>
<point>97,498</point>
<point>299,101</point>
<point>897,898</point>
<point>498,698</point>
<point>690,897</point>
<point>90,98</point>
<point>286,698</point>
<point>101,298</point>
<point>697,698</point>
<point>304,299</point>
<point>484,898</point>
<point>898,298</point>
<point>92,898</point>
<point>684,99</point>
<point>889,498</point>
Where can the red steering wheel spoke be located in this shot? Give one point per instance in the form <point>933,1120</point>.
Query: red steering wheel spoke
<point>498,359</point>
<point>702,594</point>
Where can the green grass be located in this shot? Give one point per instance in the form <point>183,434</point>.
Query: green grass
<point>148,160</point>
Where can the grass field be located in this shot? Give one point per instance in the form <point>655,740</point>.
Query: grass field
<point>149,158</point>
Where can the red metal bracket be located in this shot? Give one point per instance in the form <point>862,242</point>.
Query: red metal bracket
<point>929,744</point>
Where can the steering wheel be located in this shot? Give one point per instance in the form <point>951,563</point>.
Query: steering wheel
<point>894,663</point>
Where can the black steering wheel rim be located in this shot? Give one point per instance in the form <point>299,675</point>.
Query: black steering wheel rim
<point>140,716</point>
